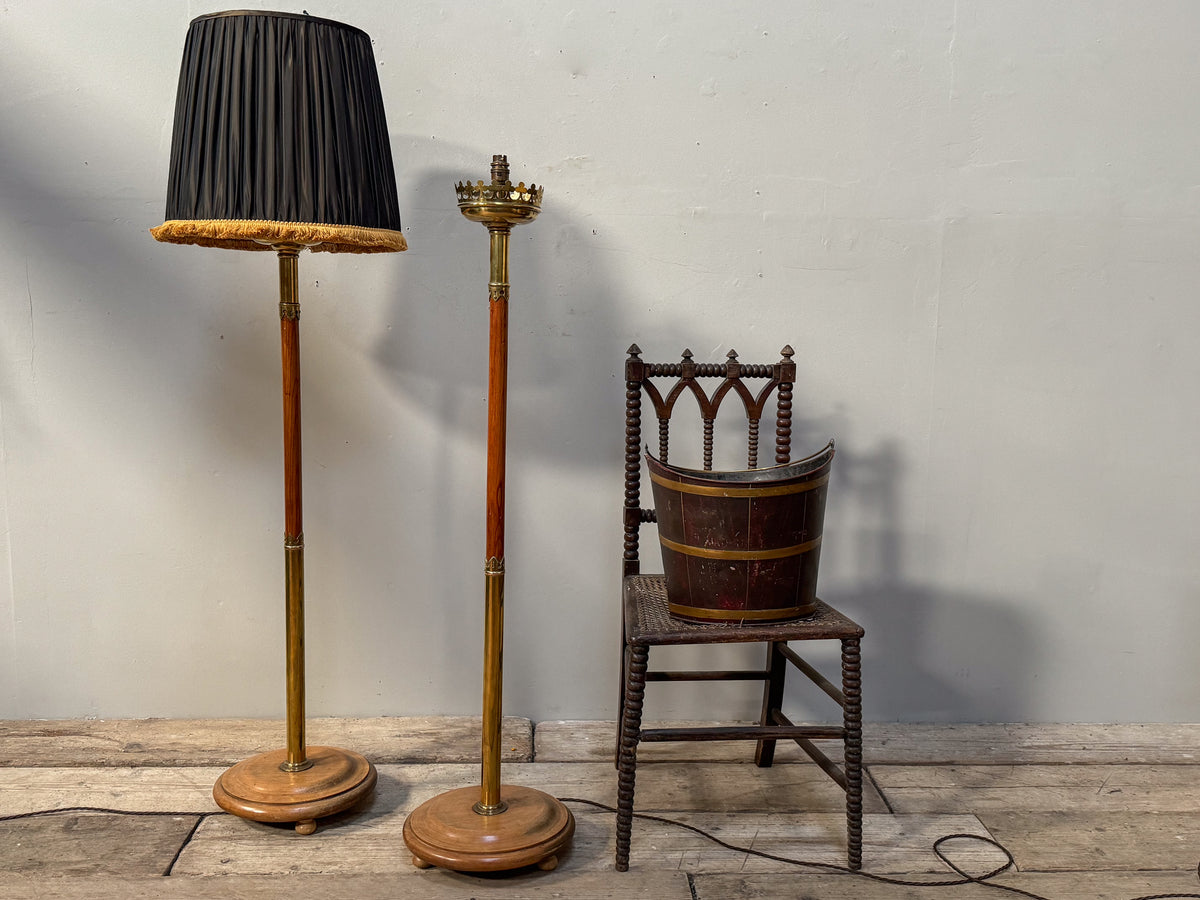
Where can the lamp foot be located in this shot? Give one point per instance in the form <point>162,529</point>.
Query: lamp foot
<point>258,789</point>
<point>446,831</point>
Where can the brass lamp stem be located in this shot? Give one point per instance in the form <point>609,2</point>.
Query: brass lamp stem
<point>293,532</point>
<point>297,783</point>
<point>493,664</point>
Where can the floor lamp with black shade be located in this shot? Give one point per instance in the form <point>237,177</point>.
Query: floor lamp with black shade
<point>280,144</point>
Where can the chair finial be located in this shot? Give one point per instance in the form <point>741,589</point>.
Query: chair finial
<point>687,354</point>
<point>787,351</point>
<point>731,355</point>
<point>634,350</point>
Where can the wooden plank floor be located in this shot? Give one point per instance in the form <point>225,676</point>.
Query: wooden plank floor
<point>1096,812</point>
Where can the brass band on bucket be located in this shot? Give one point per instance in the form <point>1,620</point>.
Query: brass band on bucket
<point>700,612</point>
<point>708,553</point>
<point>704,490</point>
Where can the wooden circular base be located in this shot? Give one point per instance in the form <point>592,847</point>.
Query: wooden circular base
<point>446,831</point>
<point>258,789</point>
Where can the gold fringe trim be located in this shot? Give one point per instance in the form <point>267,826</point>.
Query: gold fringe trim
<point>245,234</point>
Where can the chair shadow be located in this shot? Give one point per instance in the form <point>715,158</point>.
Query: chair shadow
<point>930,654</point>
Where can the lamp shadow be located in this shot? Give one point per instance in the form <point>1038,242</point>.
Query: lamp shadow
<point>562,428</point>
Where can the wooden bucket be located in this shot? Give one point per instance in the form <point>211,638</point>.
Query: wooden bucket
<point>741,547</point>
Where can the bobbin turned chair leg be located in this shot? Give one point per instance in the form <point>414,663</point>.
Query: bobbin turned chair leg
<point>635,689</point>
<point>852,718</point>
<point>624,673</point>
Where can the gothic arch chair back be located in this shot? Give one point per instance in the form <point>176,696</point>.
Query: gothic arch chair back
<point>757,391</point>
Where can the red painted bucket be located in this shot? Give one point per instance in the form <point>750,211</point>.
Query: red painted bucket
<point>741,547</point>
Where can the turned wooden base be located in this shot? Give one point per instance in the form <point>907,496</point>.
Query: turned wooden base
<point>258,789</point>
<point>446,831</point>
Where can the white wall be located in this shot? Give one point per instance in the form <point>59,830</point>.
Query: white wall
<point>978,223</point>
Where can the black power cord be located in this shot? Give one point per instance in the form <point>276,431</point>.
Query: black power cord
<point>938,850</point>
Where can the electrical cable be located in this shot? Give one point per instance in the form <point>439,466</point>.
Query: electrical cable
<point>938,849</point>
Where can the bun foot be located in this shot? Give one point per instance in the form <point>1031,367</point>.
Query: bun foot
<point>421,864</point>
<point>306,826</point>
<point>549,864</point>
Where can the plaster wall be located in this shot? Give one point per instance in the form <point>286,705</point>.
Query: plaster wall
<point>977,223</point>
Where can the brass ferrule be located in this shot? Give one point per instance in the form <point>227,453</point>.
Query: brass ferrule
<point>289,281</point>
<point>482,810</point>
<point>498,286</point>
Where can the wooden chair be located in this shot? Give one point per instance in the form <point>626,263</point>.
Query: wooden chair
<point>647,622</point>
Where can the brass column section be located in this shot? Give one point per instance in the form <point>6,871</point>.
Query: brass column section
<point>297,783</point>
<point>493,679</point>
<point>294,576</point>
<point>293,533</point>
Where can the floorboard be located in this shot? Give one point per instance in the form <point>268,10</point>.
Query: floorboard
<point>412,885</point>
<point>916,744</point>
<point>1075,886</point>
<point>89,844</point>
<point>153,789</point>
<point>1091,788</point>
<point>1069,841</point>
<point>223,742</point>
<point>1100,812</point>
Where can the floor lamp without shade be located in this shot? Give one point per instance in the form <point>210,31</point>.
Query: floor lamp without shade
<point>493,827</point>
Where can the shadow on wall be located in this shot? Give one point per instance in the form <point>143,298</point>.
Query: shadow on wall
<point>930,654</point>
<point>105,311</point>
<point>562,360</point>
<point>563,427</point>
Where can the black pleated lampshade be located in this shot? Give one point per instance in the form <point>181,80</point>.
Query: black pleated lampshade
<point>280,138</point>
